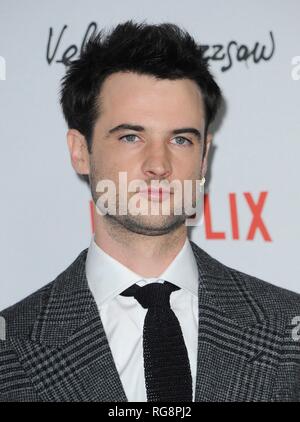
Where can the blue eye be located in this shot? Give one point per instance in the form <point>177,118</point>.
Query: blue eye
<point>184,139</point>
<point>128,136</point>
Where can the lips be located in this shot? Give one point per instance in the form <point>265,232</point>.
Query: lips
<point>156,194</point>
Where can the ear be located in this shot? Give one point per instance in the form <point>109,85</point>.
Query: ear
<point>78,151</point>
<point>208,141</point>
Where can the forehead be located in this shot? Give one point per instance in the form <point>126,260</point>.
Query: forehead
<point>128,95</point>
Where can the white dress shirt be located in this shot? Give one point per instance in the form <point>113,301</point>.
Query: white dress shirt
<point>123,317</point>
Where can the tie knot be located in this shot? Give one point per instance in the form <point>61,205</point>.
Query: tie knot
<point>152,295</point>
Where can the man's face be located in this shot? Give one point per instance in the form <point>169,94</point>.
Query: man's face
<point>154,153</point>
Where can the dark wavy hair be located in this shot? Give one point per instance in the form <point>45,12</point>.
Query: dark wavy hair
<point>162,50</point>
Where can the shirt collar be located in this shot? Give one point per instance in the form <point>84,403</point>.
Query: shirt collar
<point>107,277</point>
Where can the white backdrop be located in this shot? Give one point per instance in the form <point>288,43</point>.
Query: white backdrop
<point>254,50</point>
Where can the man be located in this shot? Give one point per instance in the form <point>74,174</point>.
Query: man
<point>144,314</point>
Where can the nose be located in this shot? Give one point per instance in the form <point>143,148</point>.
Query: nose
<point>156,164</point>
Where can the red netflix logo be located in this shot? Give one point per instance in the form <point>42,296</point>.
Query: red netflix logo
<point>257,224</point>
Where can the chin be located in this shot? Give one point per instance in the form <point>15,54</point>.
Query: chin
<point>151,226</point>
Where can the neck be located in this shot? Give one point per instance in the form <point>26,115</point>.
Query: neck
<point>145,255</point>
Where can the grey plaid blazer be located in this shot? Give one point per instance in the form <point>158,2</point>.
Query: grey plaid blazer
<point>56,348</point>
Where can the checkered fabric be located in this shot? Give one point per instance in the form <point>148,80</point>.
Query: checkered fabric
<point>56,349</point>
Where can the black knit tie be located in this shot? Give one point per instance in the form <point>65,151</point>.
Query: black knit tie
<point>167,369</point>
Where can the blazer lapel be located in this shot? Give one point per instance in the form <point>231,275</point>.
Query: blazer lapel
<point>68,357</point>
<point>238,346</point>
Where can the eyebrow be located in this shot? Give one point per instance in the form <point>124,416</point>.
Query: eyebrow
<point>139,128</point>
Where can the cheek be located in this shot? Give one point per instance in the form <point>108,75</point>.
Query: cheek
<point>190,170</point>
<point>114,161</point>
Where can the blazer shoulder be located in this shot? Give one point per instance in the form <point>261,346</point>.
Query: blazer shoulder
<point>269,295</point>
<point>17,322</point>
<point>273,299</point>
<point>20,317</point>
